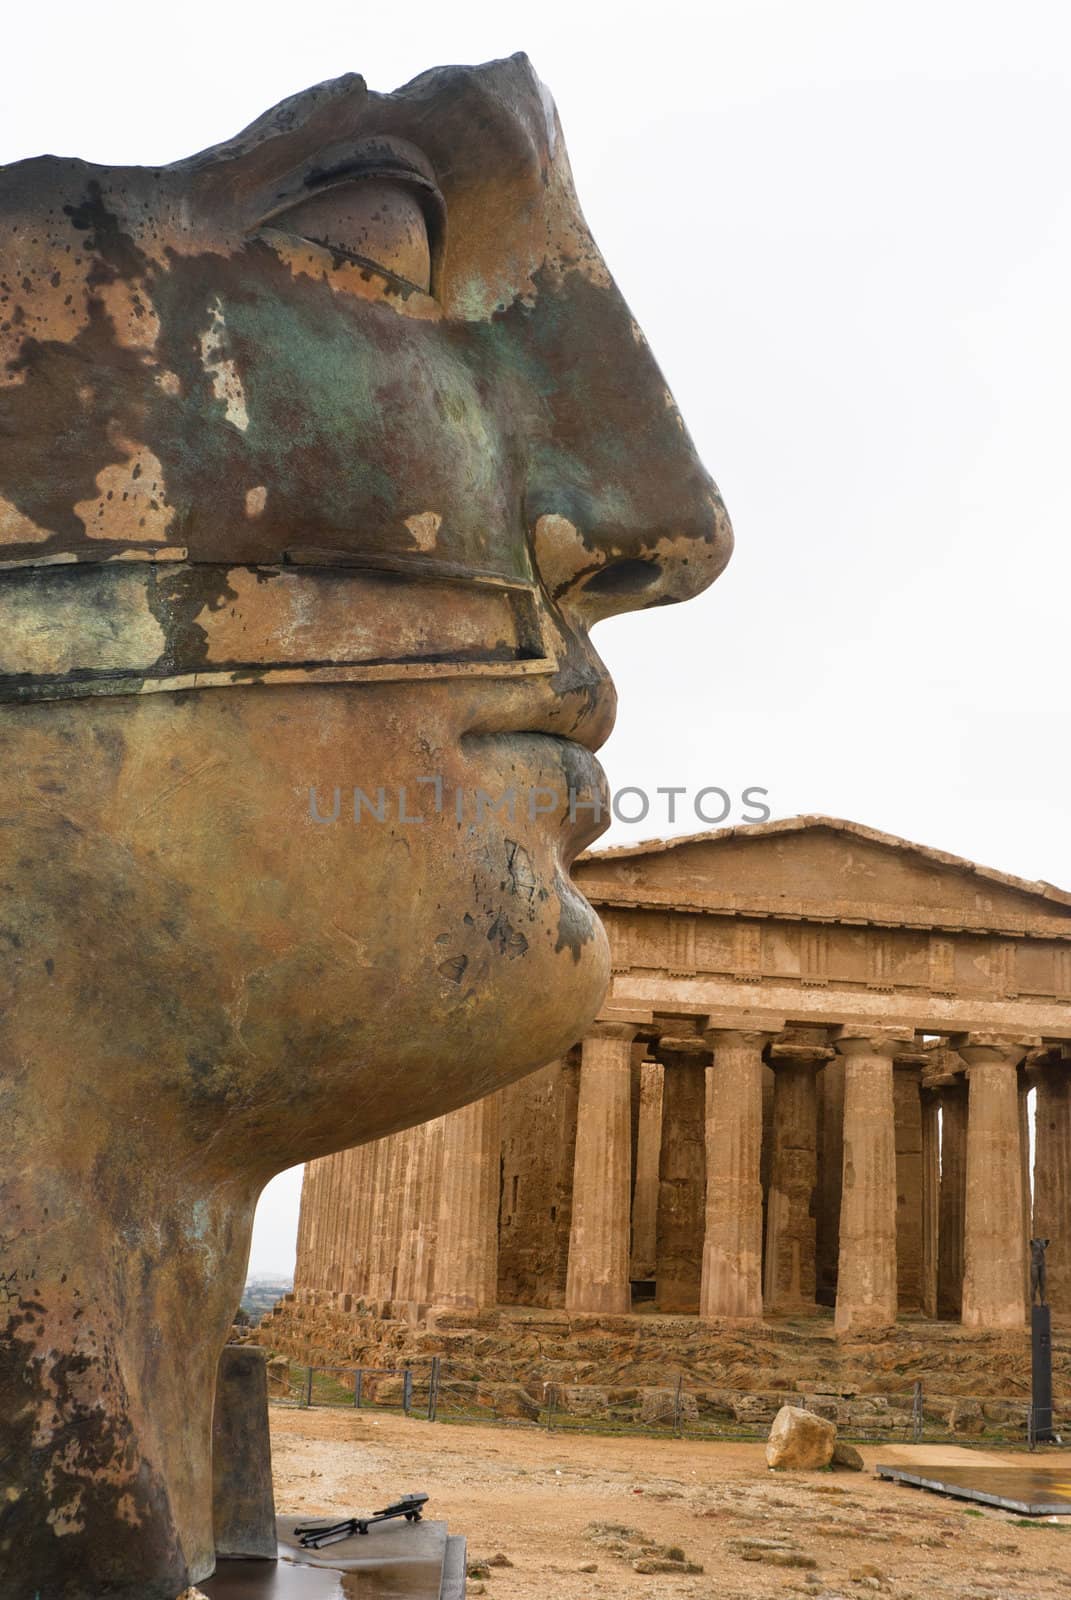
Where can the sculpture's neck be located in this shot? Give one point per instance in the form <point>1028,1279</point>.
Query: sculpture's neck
<point>115,1299</point>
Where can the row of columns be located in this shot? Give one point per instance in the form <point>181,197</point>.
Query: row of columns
<point>974,1216</point>
<point>413,1218</point>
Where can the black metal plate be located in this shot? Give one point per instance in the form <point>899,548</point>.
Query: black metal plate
<point>1031,1491</point>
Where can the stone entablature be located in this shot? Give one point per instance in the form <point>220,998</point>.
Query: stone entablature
<point>833,922</point>
<point>812,1065</point>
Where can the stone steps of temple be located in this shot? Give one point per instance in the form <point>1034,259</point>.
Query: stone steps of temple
<point>515,1345</point>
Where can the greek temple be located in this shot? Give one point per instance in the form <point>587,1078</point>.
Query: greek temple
<point>832,1075</point>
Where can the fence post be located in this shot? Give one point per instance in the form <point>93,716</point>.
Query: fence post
<point>308,1387</point>
<point>552,1397</point>
<point>677,1406</point>
<point>916,1412</point>
<point>1031,1427</point>
<point>407,1390</point>
<point>433,1390</point>
<point>357,1382</point>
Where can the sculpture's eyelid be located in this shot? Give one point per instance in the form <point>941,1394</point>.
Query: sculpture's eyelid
<point>321,180</point>
<point>352,171</point>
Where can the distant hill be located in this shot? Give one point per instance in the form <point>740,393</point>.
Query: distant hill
<point>260,1294</point>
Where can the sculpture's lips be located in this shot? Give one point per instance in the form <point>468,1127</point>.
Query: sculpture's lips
<point>555,779</point>
<point>575,705</point>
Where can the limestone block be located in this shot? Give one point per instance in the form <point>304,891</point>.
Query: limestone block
<point>847,1457</point>
<point>585,1400</point>
<point>800,1441</point>
<point>660,1406</point>
<point>827,1406</point>
<point>715,1403</point>
<point>967,1417</point>
<point>871,1414</point>
<point>753,1408</point>
<point>389,1391</point>
<point>278,1377</point>
<point>508,1400</point>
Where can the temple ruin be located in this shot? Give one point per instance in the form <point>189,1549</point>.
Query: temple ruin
<point>809,1087</point>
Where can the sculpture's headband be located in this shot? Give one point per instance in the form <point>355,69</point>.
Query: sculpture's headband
<point>135,624</point>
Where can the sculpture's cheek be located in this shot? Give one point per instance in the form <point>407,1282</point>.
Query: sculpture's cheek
<point>414,954</point>
<point>276,967</point>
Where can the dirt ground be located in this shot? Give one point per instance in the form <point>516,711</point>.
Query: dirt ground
<point>534,1498</point>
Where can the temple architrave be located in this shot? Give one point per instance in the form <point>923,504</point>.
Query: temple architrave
<point>809,1087</point>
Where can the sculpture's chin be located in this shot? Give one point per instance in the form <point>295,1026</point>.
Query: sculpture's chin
<point>489,974</point>
<point>306,946</point>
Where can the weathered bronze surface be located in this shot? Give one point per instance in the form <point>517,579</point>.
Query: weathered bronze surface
<point>243,1496</point>
<point>338,438</point>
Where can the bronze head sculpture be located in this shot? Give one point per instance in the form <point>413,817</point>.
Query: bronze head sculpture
<point>320,453</point>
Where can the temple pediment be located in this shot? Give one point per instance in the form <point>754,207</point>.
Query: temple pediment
<point>822,869</point>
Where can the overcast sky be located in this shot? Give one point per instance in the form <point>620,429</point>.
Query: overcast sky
<point>845,230</point>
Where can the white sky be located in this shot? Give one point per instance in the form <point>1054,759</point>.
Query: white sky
<point>845,230</point>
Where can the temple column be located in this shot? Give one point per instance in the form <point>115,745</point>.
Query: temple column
<point>427,1241</point>
<point>383,1253</point>
<point>953,1199</point>
<point>408,1162</point>
<point>367,1220</point>
<point>598,1275</point>
<point>1052,1170</point>
<point>420,1212</point>
<point>303,1278</point>
<point>538,1115</point>
<point>993,1295</point>
<point>1024,1086</point>
<point>466,1248</point>
<point>394,1265</point>
<point>830,1179</point>
<point>731,1274</point>
<point>931,1191</point>
<point>907,1112</point>
<point>645,1184</point>
<point>324,1243</point>
<point>321,1176</point>
<point>368,1242</point>
<point>790,1264</point>
<point>565,1134</point>
<point>682,1173</point>
<point>866,1276</point>
<point>351,1159</point>
<point>335,1212</point>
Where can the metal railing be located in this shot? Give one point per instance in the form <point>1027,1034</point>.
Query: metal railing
<point>435,1394</point>
<point>338,1386</point>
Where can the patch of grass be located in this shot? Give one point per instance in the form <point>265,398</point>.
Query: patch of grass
<point>1034,1523</point>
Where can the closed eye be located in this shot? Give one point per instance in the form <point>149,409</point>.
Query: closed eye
<point>378,221</point>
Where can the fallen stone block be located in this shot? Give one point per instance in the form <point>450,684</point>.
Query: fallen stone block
<point>800,1441</point>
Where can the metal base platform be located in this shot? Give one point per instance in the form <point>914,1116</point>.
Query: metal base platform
<point>1029,1490</point>
<point>394,1561</point>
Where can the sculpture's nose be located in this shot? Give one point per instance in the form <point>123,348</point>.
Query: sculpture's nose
<point>623,514</point>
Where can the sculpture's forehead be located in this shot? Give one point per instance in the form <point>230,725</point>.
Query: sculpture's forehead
<point>475,125</point>
<point>188,380</point>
